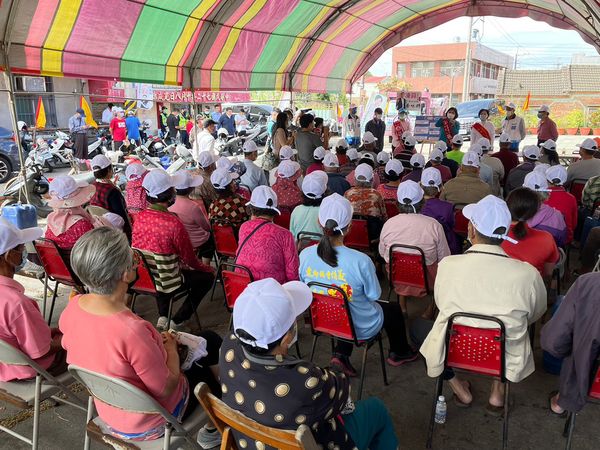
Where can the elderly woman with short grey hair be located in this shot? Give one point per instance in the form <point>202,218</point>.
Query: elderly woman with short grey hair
<point>100,333</point>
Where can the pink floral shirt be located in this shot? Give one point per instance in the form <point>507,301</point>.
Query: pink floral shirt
<point>269,253</point>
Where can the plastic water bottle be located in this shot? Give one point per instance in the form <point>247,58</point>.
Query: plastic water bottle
<point>440,410</point>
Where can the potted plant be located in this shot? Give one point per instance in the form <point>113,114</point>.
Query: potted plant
<point>594,122</point>
<point>531,122</point>
<point>574,120</point>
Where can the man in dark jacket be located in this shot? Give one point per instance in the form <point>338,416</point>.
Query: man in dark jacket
<point>377,127</point>
<point>580,349</point>
<point>336,182</point>
<point>227,121</point>
<point>173,125</point>
<point>306,140</point>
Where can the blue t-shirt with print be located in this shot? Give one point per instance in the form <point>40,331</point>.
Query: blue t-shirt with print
<point>355,274</point>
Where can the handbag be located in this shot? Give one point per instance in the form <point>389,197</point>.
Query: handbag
<point>269,161</point>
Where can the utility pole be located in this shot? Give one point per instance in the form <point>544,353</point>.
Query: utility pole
<point>467,75</point>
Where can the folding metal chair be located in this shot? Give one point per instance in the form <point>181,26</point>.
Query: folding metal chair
<point>330,316</point>
<point>593,394</point>
<point>407,268</point>
<point>306,239</point>
<point>57,268</point>
<point>576,188</point>
<point>125,396</point>
<point>27,393</point>
<point>358,236</point>
<point>477,350</point>
<point>225,239</point>
<point>227,419</point>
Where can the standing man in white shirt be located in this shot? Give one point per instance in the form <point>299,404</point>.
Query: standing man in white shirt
<point>107,114</point>
<point>484,129</point>
<point>254,175</point>
<point>352,127</point>
<point>205,141</point>
<point>514,126</point>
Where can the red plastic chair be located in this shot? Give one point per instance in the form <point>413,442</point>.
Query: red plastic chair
<point>358,236</point>
<point>235,279</point>
<point>283,219</point>
<point>391,208</point>
<point>407,268</point>
<point>307,239</point>
<point>330,316</point>
<point>57,268</point>
<point>461,223</point>
<point>225,239</point>
<point>594,394</point>
<point>477,350</point>
<point>577,189</point>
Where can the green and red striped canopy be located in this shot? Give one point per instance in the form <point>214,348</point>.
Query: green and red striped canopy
<point>299,45</point>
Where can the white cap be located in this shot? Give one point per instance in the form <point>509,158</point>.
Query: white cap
<point>383,157</point>
<point>341,142</point>
<point>250,146</point>
<point>410,193</point>
<point>368,138</point>
<point>314,185</point>
<point>115,220</point>
<point>541,167</point>
<point>331,160</point>
<point>222,131</point>
<point>318,154</point>
<point>531,152</point>
<point>183,179</point>
<point>441,146</point>
<point>267,310</point>
<point>366,155</point>
<point>544,108</point>
<point>436,155</point>
<point>394,165</point>
<point>504,138</point>
<point>405,134</point>
<point>221,178</point>
<point>536,181</point>
<point>286,152</point>
<point>224,163</point>
<point>338,208</point>
<point>470,159</point>
<point>476,148</point>
<point>135,171</point>
<point>417,161</point>
<point>484,144</point>
<point>287,168</point>
<point>409,141</point>
<point>363,172</point>
<point>489,214</point>
<point>457,139</point>
<point>510,105</point>
<point>352,154</point>
<point>11,236</point>
<point>206,159</point>
<point>100,162</point>
<point>549,145</point>
<point>557,175</point>
<point>431,177</point>
<point>265,198</point>
<point>588,144</point>
<point>156,182</point>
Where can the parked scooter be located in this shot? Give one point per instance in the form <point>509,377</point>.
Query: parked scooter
<point>182,159</point>
<point>36,185</point>
<point>227,145</point>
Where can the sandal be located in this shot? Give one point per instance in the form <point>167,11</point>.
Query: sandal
<point>458,402</point>
<point>561,415</point>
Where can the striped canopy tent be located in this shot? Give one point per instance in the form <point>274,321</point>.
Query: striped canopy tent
<point>292,45</point>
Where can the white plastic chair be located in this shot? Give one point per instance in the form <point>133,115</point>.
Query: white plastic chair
<point>25,394</point>
<point>123,395</point>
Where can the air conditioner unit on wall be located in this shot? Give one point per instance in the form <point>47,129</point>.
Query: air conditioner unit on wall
<point>34,84</point>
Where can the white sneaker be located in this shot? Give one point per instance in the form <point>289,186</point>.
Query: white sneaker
<point>163,324</point>
<point>208,439</point>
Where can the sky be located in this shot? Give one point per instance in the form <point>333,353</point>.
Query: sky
<point>540,46</point>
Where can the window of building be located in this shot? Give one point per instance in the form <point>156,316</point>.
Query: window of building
<point>401,70</point>
<point>422,69</point>
<point>449,68</point>
<point>26,98</point>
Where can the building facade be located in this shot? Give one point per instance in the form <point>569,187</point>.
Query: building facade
<point>440,69</point>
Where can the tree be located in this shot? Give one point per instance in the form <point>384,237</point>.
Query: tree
<point>393,84</point>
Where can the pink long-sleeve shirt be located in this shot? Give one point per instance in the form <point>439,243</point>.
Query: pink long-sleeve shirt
<point>193,218</point>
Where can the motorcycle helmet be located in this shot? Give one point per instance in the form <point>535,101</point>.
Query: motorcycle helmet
<point>221,131</point>
<point>158,146</point>
<point>21,125</point>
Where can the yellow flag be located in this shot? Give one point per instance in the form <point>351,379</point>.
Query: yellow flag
<point>40,114</point>
<point>387,107</point>
<point>501,109</point>
<point>339,111</point>
<point>526,104</point>
<point>83,104</point>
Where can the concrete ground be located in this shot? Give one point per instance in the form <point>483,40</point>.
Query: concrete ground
<point>408,398</point>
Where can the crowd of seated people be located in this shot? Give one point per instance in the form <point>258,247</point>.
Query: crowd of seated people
<point>169,220</point>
